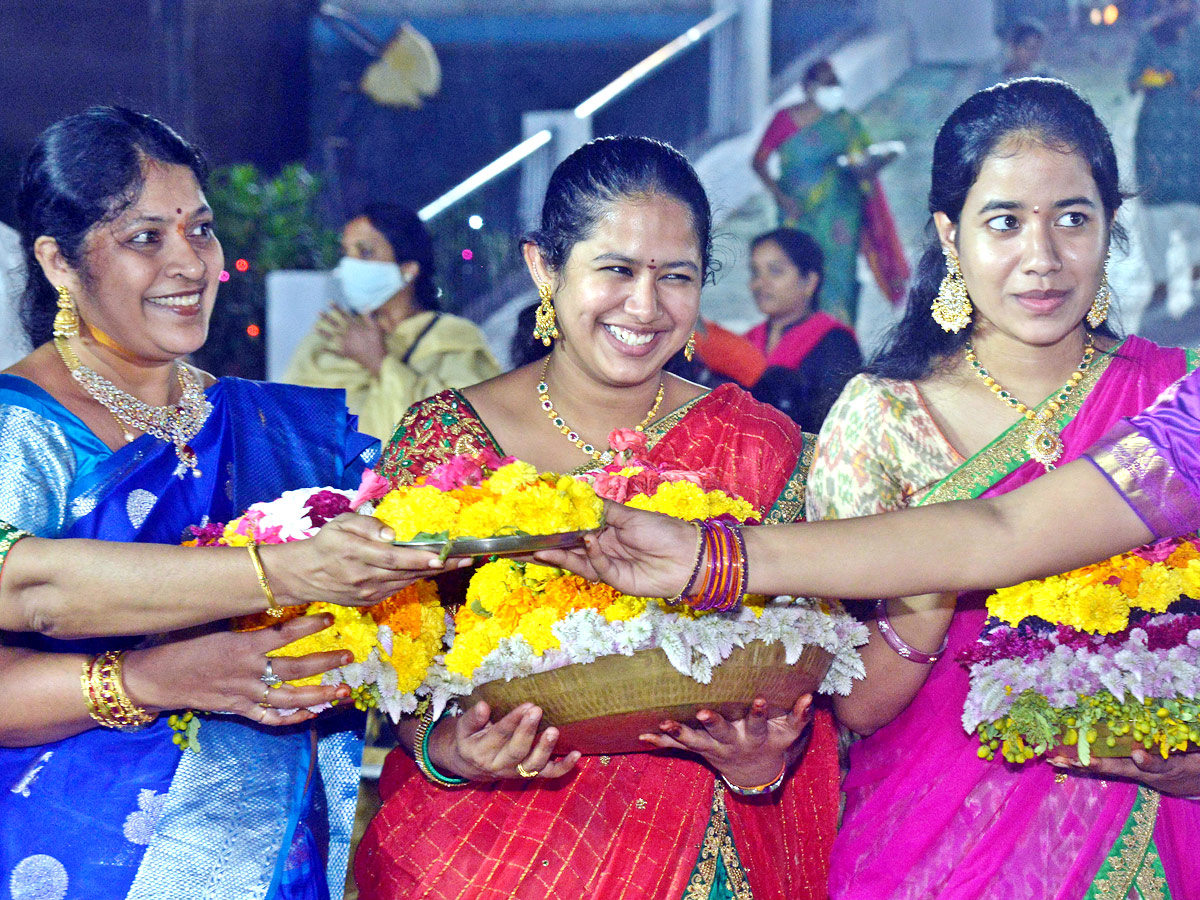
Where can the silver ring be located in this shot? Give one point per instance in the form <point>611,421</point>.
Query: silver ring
<point>269,678</point>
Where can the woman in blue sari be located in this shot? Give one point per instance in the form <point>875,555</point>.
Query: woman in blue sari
<point>106,434</point>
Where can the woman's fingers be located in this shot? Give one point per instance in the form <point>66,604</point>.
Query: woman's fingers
<point>717,728</point>
<point>538,756</point>
<point>557,768</point>
<point>293,668</point>
<point>801,713</point>
<point>756,721</point>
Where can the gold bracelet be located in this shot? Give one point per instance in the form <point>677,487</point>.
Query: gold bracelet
<point>274,610</point>
<point>104,693</point>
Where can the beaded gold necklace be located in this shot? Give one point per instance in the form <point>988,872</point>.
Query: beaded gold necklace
<point>600,456</point>
<point>1044,444</point>
<point>175,423</point>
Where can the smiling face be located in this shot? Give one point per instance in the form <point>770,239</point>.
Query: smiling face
<point>149,277</point>
<point>781,291</point>
<point>628,295</point>
<point>1031,241</point>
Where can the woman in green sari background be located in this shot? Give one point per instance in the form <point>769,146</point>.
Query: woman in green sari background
<point>832,200</point>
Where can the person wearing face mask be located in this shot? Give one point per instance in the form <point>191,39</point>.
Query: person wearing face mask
<point>827,187</point>
<point>386,344</point>
<point>1166,71</point>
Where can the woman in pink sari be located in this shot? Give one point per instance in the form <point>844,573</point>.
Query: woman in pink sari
<point>1024,196</point>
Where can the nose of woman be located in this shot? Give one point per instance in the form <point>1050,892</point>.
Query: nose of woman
<point>185,260</point>
<point>1039,250</point>
<point>642,302</point>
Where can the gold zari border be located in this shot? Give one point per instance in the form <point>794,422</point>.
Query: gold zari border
<point>1147,480</point>
<point>1127,865</point>
<point>718,843</point>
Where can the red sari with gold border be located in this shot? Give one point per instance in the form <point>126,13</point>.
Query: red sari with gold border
<point>630,827</point>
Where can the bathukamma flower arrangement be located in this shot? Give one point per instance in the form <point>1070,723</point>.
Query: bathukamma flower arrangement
<point>520,619</point>
<point>1101,659</point>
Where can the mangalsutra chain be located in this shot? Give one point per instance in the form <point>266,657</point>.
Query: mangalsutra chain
<point>175,423</point>
<point>600,456</point>
<point>1044,444</point>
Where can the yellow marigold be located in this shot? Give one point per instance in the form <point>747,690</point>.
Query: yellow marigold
<point>511,477</point>
<point>685,500</point>
<point>471,647</point>
<point>624,607</point>
<point>535,628</point>
<point>413,510</point>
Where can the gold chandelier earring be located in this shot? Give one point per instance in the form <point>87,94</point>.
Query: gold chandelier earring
<point>951,307</point>
<point>66,320</point>
<point>545,329</point>
<point>689,349</point>
<point>1099,310</point>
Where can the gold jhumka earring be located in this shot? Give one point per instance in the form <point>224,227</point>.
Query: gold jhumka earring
<point>951,307</point>
<point>545,329</point>
<point>689,349</point>
<point>66,320</point>
<point>1099,311</point>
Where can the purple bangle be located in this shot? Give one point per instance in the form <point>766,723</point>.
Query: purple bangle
<point>912,654</point>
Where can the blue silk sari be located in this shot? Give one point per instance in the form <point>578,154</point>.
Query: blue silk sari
<point>106,814</point>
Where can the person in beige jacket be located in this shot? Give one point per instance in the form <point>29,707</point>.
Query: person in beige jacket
<point>387,344</point>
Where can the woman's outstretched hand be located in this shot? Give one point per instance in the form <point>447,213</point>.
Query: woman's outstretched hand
<point>641,553</point>
<point>749,751</point>
<point>222,672</point>
<point>472,746</point>
<point>1177,776</point>
<point>350,561</point>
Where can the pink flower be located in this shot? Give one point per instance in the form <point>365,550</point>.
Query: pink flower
<point>695,478</point>
<point>622,439</point>
<point>1159,550</point>
<point>248,521</point>
<point>372,487</point>
<point>208,535</point>
<point>326,505</point>
<point>611,486</point>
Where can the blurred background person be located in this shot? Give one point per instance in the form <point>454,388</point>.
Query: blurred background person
<point>800,358</point>
<point>387,344</point>
<point>12,279</point>
<point>1166,71</point>
<point>825,186</point>
<point>1024,46</point>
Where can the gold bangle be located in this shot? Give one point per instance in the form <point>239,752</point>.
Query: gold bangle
<point>274,610</point>
<point>104,693</point>
<point>421,753</point>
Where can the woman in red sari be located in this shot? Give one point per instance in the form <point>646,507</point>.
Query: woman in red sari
<point>619,260</point>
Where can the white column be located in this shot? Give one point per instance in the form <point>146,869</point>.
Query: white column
<point>739,67</point>
<point>569,132</point>
<point>949,31</point>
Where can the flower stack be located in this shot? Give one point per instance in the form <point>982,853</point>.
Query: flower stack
<point>393,642</point>
<point>1102,659</point>
<point>521,619</point>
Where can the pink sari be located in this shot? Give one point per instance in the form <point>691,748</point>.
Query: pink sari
<point>926,818</point>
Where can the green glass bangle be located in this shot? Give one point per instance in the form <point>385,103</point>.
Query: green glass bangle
<point>8,538</point>
<point>424,763</point>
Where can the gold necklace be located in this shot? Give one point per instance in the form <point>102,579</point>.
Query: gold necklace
<point>601,456</point>
<point>175,423</point>
<point>1044,444</point>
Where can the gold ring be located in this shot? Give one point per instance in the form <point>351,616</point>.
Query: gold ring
<point>525,773</point>
<point>266,695</point>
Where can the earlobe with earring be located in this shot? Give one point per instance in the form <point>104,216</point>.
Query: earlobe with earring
<point>951,307</point>
<point>66,320</point>
<point>545,328</point>
<point>1099,309</point>
<point>689,349</point>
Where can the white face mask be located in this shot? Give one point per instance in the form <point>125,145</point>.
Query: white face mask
<point>368,283</point>
<point>830,97</point>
